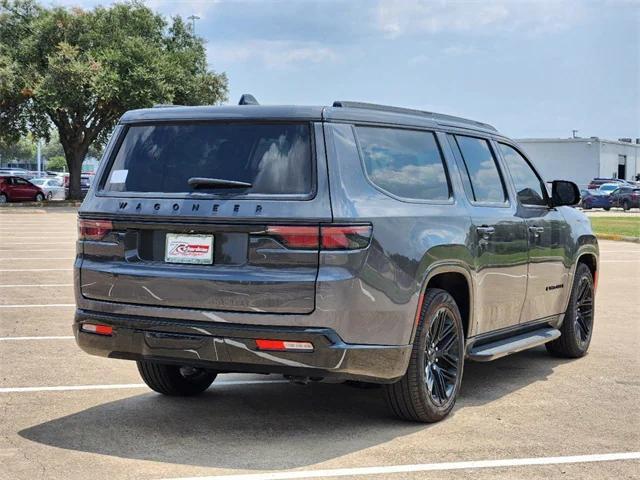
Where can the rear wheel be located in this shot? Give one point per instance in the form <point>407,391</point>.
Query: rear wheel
<point>429,388</point>
<point>3,198</point>
<point>49,195</point>
<point>626,205</point>
<point>577,326</point>
<point>606,209</point>
<point>175,380</point>
<point>39,197</point>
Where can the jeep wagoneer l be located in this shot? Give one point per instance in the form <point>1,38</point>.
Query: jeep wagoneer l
<point>353,242</point>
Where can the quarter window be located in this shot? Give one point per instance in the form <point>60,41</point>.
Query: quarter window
<point>481,169</point>
<point>405,163</point>
<point>531,190</point>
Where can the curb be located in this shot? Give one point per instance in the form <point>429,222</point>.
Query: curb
<point>619,238</point>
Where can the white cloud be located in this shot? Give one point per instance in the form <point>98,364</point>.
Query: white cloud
<point>271,53</point>
<point>405,17</point>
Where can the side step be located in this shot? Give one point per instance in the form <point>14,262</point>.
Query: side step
<point>507,346</point>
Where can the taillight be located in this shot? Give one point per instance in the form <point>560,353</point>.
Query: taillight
<point>326,237</point>
<point>93,229</point>
<point>298,237</point>
<point>345,237</point>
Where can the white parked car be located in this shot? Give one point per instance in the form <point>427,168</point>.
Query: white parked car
<point>53,188</point>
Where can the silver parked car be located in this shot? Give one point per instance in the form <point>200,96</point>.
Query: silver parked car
<point>351,242</point>
<point>53,188</point>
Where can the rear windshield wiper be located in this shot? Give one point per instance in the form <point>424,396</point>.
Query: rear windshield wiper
<point>217,182</point>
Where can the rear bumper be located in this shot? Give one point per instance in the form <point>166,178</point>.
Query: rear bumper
<point>232,348</point>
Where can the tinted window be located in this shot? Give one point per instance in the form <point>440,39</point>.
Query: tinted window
<point>405,163</point>
<point>528,185</point>
<point>275,159</point>
<point>482,170</point>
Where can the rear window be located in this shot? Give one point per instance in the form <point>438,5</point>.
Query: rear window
<point>405,163</point>
<point>274,158</point>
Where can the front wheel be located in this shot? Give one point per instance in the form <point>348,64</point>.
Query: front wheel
<point>577,326</point>
<point>49,195</point>
<point>626,206</point>
<point>175,380</point>
<point>39,197</point>
<point>429,388</point>
<point>3,198</point>
<point>606,209</point>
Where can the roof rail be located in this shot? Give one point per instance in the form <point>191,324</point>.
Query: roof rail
<point>166,105</point>
<point>438,117</point>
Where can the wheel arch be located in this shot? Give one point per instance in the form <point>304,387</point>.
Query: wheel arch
<point>454,278</point>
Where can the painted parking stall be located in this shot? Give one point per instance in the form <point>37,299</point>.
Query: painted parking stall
<point>83,416</point>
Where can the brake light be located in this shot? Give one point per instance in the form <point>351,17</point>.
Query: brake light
<point>327,237</point>
<point>283,345</point>
<point>299,237</point>
<point>93,229</point>
<point>97,329</point>
<point>345,237</point>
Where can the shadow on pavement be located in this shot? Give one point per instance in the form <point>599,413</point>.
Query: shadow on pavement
<point>265,426</point>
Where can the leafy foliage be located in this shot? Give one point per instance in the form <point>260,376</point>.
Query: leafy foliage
<point>80,70</point>
<point>56,163</point>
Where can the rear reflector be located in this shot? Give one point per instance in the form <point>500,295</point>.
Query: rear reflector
<point>283,345</point>
<point>93,229</point>
<point>98,329</point>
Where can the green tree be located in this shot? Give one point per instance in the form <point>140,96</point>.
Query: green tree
<point>21,151</point>
<point>57,164</point>
<point>80,70</point>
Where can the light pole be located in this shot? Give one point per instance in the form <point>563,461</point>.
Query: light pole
<point>193,19</point>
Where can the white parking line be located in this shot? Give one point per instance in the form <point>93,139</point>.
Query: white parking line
<point>38,286</point>
<point>34,250</point>
<point>47,242</point>
<point>69,388</point>
<point>40,305</point>
<point>60,337</point>
<point>32,258</point>
<point>424,467</point>
<point>36,270</point>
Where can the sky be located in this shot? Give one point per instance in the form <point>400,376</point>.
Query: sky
<point>530,68</point>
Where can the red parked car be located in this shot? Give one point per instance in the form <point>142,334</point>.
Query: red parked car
<point>16,189</point>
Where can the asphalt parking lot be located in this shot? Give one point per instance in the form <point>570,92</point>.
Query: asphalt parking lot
<point>67,415</point>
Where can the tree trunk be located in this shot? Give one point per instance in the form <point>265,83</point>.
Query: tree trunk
<point>75,157</point>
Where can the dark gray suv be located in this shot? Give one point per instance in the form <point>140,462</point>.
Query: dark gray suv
<point>353,242</point>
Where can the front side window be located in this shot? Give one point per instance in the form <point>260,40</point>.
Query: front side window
<point>529,186</point>
<point>269,159</point>
<point>405,163</point>
<point>482,170</point>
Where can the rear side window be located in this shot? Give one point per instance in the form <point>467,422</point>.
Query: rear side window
<point>481,169</point>
<point>531,189</point>
<point>404,163</point>
<point>274,158</point>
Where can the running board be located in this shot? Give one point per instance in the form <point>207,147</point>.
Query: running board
<point>507,346</point>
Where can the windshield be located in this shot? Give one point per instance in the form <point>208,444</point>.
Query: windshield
<point>608,188</point>
<point>38,181</point>
<point>274,159</point>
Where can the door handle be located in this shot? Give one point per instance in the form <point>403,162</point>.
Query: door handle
<point>485,231</point>
<point>536,231</point>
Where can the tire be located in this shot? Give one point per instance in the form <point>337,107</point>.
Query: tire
<point>577,327</point>
<point>429,397</point>
<point>175,380</point>
<point>588,206</point>
<point>49,196</point>
<point>606,209</point>
<point>626,206</point>
<point>3,198</point>
<point>39,197</point>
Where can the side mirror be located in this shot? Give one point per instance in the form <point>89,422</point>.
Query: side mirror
<point>564,192</point>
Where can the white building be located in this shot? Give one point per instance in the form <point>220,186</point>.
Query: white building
<point>582,159</point>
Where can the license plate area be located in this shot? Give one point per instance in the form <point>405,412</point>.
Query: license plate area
<point>187,248</point>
